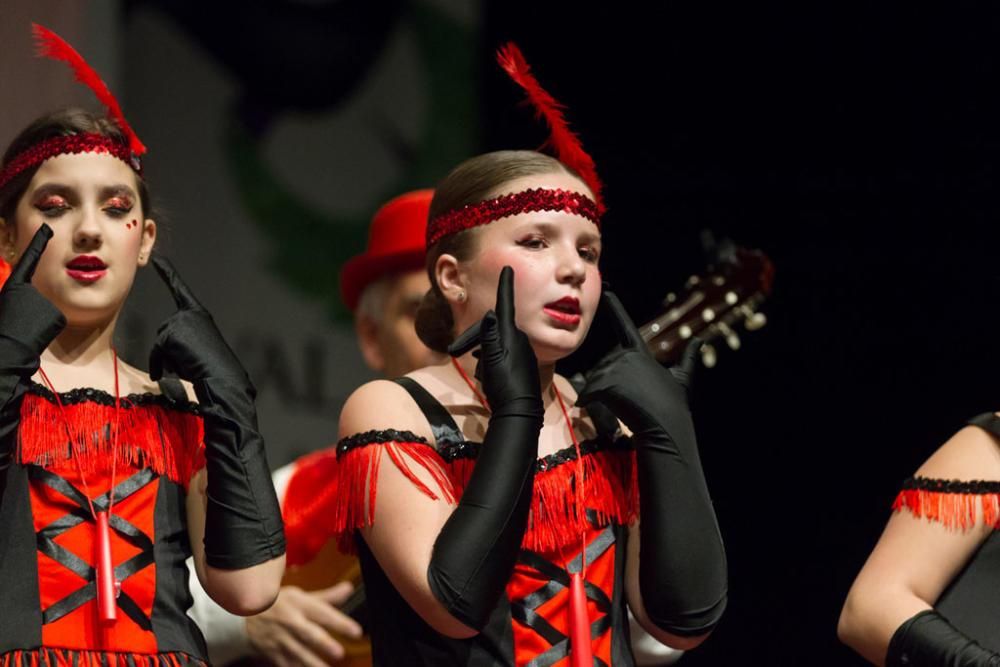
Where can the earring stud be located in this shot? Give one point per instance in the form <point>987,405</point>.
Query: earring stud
<point>461,296</point>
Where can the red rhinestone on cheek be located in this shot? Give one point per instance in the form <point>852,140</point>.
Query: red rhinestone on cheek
<point>527,201</point>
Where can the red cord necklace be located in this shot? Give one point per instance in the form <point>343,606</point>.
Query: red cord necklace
<point>107,587</point>
<point>581,652</point>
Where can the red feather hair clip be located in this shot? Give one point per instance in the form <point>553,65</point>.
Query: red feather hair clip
<point>566,144</point>
<point>51,45</point>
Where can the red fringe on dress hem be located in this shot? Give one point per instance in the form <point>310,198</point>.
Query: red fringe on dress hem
<point>954,510</point>
<point>144,431</point>
<point>65,657</point>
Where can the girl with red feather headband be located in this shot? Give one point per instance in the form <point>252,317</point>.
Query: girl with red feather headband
<point>495,509</point>
<point>111,477</point>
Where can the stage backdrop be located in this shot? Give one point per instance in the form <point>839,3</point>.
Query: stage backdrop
<point>274,133</point>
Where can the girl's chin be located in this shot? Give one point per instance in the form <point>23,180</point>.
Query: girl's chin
<point>550,349</point>
<point>86,310</point>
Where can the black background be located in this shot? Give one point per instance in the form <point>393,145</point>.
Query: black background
<point>857,146</point>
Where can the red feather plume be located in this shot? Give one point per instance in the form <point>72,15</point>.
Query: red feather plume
<point>564,141</point>
<point>51,45</point>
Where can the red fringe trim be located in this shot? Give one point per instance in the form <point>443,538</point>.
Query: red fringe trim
<point>330,498</point>
<point>610,490</point>
<point>64,657</point>
<point>954,510</point>
<point>150,436</point>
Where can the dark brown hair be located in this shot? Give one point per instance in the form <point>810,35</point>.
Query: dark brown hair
<point>65,122</point>
<point>475,180</point>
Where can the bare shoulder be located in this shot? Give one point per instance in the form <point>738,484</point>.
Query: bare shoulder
<point>381,405</point>
<point>972,453</point>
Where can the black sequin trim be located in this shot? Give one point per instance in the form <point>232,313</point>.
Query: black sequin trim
<point>950,485</point>
<point>88,394</point>
<point>377,437</point>
<point>451,451</point>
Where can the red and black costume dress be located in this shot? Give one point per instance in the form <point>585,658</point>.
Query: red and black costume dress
<point>971,603</point>
<point>47,573</point>
<point>529,625</point>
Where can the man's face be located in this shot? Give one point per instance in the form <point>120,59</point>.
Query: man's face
<point>396,336</point>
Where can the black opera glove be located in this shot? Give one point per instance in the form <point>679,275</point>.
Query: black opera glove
<point>682,564</point>
<point>476,550</point>
<point>243,524</point>
<point>929,639</point>
<point>28,323</point>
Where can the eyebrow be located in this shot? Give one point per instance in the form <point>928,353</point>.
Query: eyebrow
<point>52,189</point>
<point>545,226</point>
<point>117,190</point>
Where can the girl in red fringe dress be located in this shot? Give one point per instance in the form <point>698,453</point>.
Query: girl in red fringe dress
<point>930,591</point>
<point>496,522</point>
<point>109,479</point>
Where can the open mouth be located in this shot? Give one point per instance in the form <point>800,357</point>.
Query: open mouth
<point>566,310</point>
<point>86,268</point>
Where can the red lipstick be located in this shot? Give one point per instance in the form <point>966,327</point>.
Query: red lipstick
<point>565,311</point>
<point>86,269</point>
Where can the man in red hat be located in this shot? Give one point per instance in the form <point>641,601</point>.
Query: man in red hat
<point>383,288</point>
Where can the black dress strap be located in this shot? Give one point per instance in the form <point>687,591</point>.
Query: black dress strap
<point>173,389</point>
<point>988,421</point>
<point>443,427</point>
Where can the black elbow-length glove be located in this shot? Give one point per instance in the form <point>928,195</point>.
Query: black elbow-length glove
<point>928,639</point>
<point>477,548</point>
<point>682,561</point>
<point>28,323</point>
<point>243,524</point>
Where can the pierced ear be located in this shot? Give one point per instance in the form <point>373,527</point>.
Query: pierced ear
<point>450,278</point>
<point>148,240</point>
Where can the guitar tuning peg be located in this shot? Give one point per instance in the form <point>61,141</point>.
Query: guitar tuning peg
<point>755,321</point>
<point>731,337</point>
<point>708,355</point>
<point>669,299</point>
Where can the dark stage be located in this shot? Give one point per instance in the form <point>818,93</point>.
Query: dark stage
<point>856,145</point>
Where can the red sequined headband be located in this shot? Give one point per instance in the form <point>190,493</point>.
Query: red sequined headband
<point>51,45</point>
<point>73,143</point>
<point>526,201</point>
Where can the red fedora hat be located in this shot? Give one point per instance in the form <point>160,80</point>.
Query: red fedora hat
<point>396,243</point>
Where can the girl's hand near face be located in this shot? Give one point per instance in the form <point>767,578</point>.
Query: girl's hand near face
<point>25,315</point>
<point>28,323</point>
<point>237,534</point>
<point>676,580</point>
<point>507,366</point>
